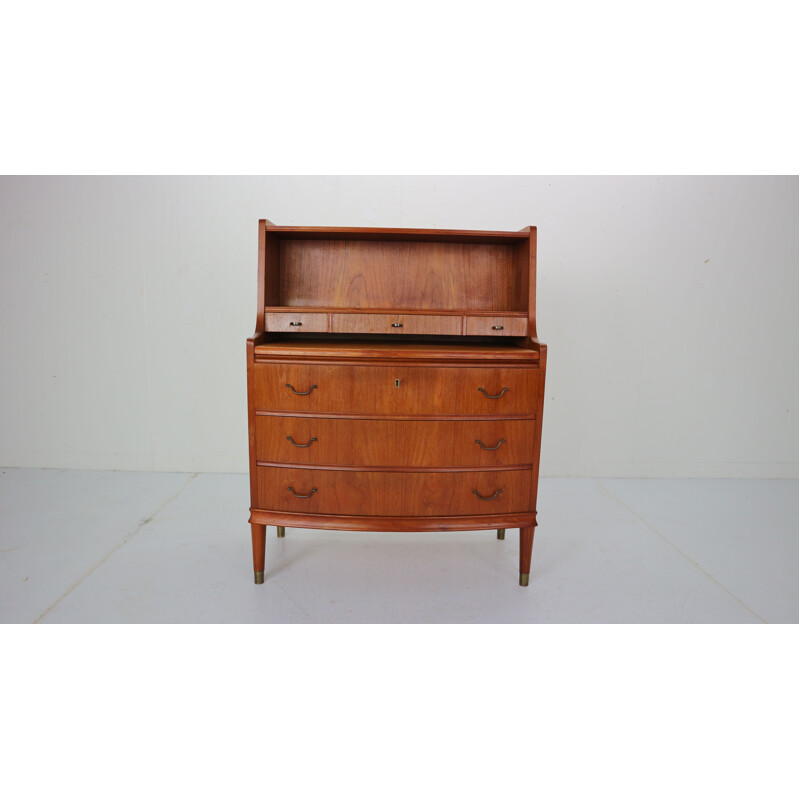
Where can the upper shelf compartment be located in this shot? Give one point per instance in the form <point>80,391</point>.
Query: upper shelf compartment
<point>404,270</point>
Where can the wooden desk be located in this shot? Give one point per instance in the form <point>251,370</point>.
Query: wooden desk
<point>395,382</point>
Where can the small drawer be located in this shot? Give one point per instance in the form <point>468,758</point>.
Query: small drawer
<point>292,322</point>
<point>424,494</point>
<point>495,326</point>
<point>440,324</point>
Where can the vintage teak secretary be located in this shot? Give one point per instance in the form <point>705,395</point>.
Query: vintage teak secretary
<point>395,382</point>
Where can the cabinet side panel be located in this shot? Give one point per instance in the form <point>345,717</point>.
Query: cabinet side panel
<point>523,274</point>
<point>262,227</point>
<point>532,246</point>
<point>251,426</point>
<point>537,447</point>
<point>271,275</point>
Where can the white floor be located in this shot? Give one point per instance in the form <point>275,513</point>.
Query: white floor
<point>161,547</point>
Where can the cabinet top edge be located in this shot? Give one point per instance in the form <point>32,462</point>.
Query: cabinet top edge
<point>408,234</point>
<point>324,349</point>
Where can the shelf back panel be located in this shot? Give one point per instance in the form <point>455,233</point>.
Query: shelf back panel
<point>400,274</point>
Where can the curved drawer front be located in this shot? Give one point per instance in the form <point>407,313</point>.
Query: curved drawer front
<point>365,493</point>
<point>394,443</point>
<point>395,390</point>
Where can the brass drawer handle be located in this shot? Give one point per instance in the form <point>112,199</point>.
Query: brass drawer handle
<point>295,323</point>
<point>478,441</point>
<point>493,396</point>
<point>494,327</point>
<point>397,324</point>
<point>308,444</point>
<point>313,386</point>
<point>302,496</point>
<point>481,497</point>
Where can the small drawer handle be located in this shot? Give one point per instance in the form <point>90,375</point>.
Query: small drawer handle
<point>494,327</point>
<point>493,396</point>
<point>397,324</point>
<point>308,444</point>
<point>295,323</point>
<point>481,497</point>
<point>313,386</point>
<point>478,441</point>
<point>302,496</point>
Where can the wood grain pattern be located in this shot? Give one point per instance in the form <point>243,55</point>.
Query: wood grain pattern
<point>342,522</point>
<point>387,323</point>
<point>259,538</point>
<point>296,322</point>
<point>395,389</point>
<point>383,427</point>
<point>368,493</point>
<point>537,441</point>
<point>394,443</point>
<point>525,549</point>
<point>329,351</point>
<point>495,326</point>
<point>398,275</point>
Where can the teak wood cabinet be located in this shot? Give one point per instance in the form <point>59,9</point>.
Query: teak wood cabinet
<point>395,382</point>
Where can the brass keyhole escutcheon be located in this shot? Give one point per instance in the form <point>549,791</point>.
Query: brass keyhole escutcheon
<point>397,383</point>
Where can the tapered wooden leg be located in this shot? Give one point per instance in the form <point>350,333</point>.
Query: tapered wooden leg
<point>281,531</point>
<point>501,533</point>
<point>525,549</point>
<point>259,546</point>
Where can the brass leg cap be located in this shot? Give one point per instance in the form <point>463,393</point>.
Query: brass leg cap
<point>259,576</point>
<point>501,533</point>
<point>281,531</point>
<point>523,578</point>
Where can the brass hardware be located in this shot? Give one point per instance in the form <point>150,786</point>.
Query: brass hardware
<point>478,441</point>
<point>397,383</point>
<point>259,576</point>
<point>523,578</point>
<point>397,324</point>
<point>481,497</point>
<point>295,323</point>
<point>501,533</point>
<point>308,444</point>
<point>494,327</point>
<point>493,396</point>
<point>281,531</point>
<point>303,496</point>
<point>313,386</point>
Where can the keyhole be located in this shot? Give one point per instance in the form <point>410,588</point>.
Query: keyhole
<point>397,383</point>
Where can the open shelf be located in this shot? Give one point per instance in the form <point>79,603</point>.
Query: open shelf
<point>400,282</point>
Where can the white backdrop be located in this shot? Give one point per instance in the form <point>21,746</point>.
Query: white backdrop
<point>670,307</point>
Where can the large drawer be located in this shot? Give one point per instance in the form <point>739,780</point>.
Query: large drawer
<point>365,493</point>
<point>399,443</point>
<point>395,390</point>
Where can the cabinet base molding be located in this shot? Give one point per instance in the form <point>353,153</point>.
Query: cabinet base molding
<point>483,522</point>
